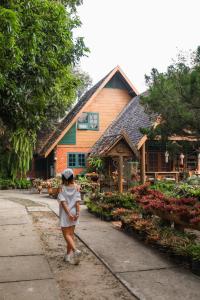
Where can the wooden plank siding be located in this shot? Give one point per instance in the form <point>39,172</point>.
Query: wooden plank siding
<point>108,103</point>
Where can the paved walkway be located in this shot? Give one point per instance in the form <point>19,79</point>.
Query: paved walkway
<point>24,271</point>
<point>145,272</point>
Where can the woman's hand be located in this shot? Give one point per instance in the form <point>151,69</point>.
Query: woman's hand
<point>76,217</point>
<point>71,217</point>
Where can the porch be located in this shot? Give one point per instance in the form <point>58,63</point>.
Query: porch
<point>124,168</point>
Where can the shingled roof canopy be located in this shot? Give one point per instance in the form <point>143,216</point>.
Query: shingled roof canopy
<point>48,138</point>
<point>131,119</point>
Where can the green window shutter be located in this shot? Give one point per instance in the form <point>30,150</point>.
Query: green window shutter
<point>70,137</point>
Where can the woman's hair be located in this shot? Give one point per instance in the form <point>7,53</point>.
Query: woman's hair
<point>68,181</point>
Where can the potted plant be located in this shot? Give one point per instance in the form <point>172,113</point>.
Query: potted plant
<point>37,183</point>
<point>85,186</point>
<point>55,186</point>
<point>194,252</point>
<point>95,167</point>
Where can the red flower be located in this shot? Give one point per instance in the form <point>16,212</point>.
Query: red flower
<point>195,220</point>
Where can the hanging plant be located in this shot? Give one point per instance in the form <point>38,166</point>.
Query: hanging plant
<point>22,143</point>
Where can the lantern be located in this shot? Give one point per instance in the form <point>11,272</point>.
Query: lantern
<point>166,157</point>
<point>181,158</point>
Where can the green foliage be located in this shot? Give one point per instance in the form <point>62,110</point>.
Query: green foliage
<point>95,163</point>
<point>37,54</point>
<point>122,200</point>
<point>187,190</point>
<point>55,182</point>
<point>104,205</point>
<point>85,184</point>
<point>193,251</point>
<point>85,81</point>
<point>6,184</point>
<point>22,183</point>
<point>166,188</point>
<point>37,84</point>
<point>163,186</point>
<point>22,143</point>
<point>193,180</point>
<point>175,96</point>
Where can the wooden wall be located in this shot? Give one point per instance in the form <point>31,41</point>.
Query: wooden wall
<point>108,103</point>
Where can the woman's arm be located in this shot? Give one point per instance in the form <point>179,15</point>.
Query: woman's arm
<point>77,209</point>
<point>66,209</point>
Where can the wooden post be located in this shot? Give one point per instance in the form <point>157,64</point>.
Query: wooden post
<point>120,174</point>
<point>142,165</point>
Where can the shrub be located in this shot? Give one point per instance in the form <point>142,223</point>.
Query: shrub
<point>22,183</point>
<point>193,251</point>
<point>187,190</point>
<point>184,211</point>
<point>86,185</point>
<point>193,180</point>
<point>6,184</point>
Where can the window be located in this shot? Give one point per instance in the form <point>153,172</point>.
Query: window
<point>156,162</point>
<point>76,160</point>
<point>88,121</point>
<point>72,160</point>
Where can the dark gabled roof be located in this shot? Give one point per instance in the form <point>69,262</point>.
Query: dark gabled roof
<point>130,121</point>
<point>47,138</point>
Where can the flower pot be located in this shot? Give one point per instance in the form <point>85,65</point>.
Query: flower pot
<point>50,191</point>
<point>107,218</point>
<point>55,192</point>
<point>83,196</point>
<point>39,188</point>
<point>196,267</point>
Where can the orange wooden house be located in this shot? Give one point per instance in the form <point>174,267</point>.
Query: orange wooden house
<point>69,144</point>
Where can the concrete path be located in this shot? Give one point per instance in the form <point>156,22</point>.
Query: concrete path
<point>24,271</point>
<point>144,271</point>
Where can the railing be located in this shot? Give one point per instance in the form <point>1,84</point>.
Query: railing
<point>172,175</point>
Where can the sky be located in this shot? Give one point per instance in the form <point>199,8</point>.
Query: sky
<point>138,35</point>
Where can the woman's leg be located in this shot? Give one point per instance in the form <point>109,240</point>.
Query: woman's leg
<point>67,233</point>
<point>72,232</point>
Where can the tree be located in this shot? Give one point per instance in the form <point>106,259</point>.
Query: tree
<point>175,97</point>
<point>85,81</point>
<point>37,55</point>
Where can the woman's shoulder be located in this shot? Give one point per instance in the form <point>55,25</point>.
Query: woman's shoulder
<point>74,186</point>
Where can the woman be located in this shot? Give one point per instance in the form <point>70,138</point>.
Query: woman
<point>69,209</point>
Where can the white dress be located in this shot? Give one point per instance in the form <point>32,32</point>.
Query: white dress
<point>70,195</point>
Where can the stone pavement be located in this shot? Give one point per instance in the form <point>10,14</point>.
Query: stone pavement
<point>145,272</point>
<point>24,271</point>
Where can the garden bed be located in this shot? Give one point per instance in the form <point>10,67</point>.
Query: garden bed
<point>156,219</point>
